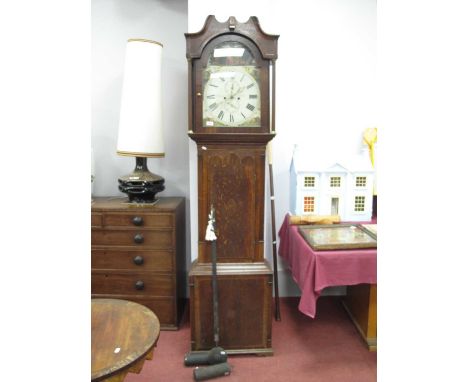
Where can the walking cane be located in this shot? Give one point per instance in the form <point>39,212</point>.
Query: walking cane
<point>273,234</point>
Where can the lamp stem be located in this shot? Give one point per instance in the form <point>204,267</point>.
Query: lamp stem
<point>141,164</point>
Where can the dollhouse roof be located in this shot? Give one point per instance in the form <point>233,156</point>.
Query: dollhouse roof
<point>307,161</point>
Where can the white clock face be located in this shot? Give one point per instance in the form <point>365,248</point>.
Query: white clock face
<point>231,97</point>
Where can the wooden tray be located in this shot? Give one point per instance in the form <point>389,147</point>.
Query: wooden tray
<point>338,236</point>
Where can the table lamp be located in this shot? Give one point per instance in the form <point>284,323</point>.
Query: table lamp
<point>140,127</point>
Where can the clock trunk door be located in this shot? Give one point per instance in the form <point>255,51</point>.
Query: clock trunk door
<point>228,180</point>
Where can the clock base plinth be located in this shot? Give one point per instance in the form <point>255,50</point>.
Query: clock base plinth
<point>245,318</point>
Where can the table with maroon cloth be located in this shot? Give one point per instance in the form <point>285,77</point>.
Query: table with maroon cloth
<point>315,270</point>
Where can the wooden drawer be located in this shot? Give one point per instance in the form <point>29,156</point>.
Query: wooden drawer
<point>96,220</point>
<point>138,220</point>
<point>163,307</point>
<point>113,282</point>
<point>153,260</point>
<point>154,238</point>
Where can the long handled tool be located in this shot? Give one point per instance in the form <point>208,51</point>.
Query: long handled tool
<point>217,356</point>
<point>273,234</point>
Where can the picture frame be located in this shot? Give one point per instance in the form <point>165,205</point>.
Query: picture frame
<point>370,229</point>
<point>338,236</point>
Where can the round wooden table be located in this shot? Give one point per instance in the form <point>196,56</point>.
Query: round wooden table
<point>123,336</point>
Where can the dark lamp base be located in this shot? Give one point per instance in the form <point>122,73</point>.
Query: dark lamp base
<point>141,186</point>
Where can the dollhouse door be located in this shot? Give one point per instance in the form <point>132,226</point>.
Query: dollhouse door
<point>335,202</point>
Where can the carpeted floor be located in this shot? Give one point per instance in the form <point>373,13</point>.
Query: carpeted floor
<point>325,349</point>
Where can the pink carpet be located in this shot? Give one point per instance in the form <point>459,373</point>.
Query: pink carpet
<point>325,349</point>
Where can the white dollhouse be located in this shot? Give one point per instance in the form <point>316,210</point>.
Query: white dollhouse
<point>343,188</point>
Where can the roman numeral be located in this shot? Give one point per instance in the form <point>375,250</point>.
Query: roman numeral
<point>243,115</point>
<point>249,86</point>
<point>213,106</point>
<point>221,115</point>
<point>252,96</point>
<point>250,107</point>
<point>211,96</point>
<point>215,86</point>
<point>231,118</point>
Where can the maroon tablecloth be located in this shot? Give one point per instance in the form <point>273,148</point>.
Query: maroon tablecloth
<point>315,270</point>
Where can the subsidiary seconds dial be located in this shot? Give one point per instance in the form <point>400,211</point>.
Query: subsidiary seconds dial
<point>231,97</point>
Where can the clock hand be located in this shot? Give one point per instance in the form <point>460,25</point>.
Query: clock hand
<point>241,90</point>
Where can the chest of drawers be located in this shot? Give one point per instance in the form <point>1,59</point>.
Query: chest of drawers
<point>138,254</point>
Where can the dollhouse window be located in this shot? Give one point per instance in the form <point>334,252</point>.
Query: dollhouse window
<point>361,181</point>
<point>309,181</point>
<point>359,202</point>
<point>335,181</point>
<point>309,204</point>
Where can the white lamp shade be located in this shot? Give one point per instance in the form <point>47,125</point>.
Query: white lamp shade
<point>140,128</point>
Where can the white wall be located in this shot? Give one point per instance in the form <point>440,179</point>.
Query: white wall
<point>326,90</point>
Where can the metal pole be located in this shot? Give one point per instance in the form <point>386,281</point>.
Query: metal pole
<point>214,282</point>
<point>273,235</point>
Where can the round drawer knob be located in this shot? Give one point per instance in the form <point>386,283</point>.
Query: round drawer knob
<point>138,260</point>
<point>138,239</point>
<point>139,285</point>
<point>137,220</point>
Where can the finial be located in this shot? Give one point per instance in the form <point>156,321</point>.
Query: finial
<point>210,230</point>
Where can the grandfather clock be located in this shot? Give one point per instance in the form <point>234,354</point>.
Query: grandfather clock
<point>231,118</point>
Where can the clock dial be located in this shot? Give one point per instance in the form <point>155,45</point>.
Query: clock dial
<point>231,97</point>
